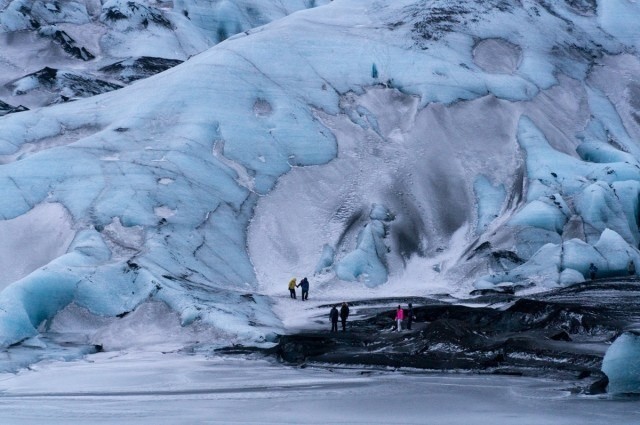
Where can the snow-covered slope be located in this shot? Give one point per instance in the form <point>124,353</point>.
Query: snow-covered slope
<point>391,146</point>
<point>118,41</point>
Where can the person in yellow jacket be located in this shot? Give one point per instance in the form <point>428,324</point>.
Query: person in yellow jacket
<point>292,288</point>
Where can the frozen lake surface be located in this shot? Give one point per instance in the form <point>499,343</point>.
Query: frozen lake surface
<point>173,388</point>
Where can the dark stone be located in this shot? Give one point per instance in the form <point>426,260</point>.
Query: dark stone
<point>297,350</point>
<point>508,255</point>
<point>6,109</point>
<point>434,22</point>
<point>584,374</point>
<point>81,85</point>
<point>249,297</point>
<point>511,341</point>
<point>493,291</point>
<point>583,7</point>
<point>599,386</point>
<point>114,14</point>
<point>68,44</point>
<point>133,69</point>
<point>561,336</point>
<point>480,248</point>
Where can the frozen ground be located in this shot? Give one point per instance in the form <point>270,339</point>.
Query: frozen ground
<point>144,387</point>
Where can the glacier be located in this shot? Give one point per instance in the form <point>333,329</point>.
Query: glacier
<point>390,147</point>
<point>94,40</point>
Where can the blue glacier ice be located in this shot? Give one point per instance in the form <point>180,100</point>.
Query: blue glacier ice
<point>621,364</point>
<point>367,261</point>
<point>207,186</point>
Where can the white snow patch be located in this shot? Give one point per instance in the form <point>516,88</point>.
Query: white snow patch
<point>32,240</point>
<point>164,212</point>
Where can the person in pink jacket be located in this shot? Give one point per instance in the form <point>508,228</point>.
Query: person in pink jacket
<point>399,317</point>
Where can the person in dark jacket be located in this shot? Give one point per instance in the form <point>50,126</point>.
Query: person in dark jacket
<point>333,315</point>
<point>410,316</point>
<point>304,284</point>
<point>631,268</point>
<point>344,313</point>
<point>592,271</point>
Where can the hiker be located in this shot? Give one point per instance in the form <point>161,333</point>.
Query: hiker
<point>410,316</point>
<point>631,268</point>
<point>292,288</point>
<point>344,313</point>
<point>333,315</point>
<point>304,284</point>
<point>592,271</point>
<point>399,317</point>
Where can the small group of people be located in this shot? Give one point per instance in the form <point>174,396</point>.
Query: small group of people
<point>401,315</point>
<point>304,284</point>
<point>343,314</point>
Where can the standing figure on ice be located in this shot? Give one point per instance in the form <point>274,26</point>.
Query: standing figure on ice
<point>410,316</point>
<point>344,313</point>
<point>292,288</point>
<point>631,268</point>
<point>304,284</point>
<point>592,271</point>
<point>333,315</point>
<point>399,317</point>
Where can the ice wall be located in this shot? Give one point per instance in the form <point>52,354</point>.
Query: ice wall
<point>542,175</point>
<point>286,131</point>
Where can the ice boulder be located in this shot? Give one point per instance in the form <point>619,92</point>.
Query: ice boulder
<point>621,364</point>
<point>545,213</point>
<point>599,152</point>
<point>600,207</point>
<point>616,252</point>
<point>367,262</point>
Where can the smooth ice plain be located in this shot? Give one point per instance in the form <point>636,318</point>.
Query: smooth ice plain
<point>140,387</point>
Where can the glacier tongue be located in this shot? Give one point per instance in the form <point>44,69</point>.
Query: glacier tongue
<point>209,185</point>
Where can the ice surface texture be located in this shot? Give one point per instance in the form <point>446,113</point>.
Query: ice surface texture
<point>93,35</point>
<point>161,180</point>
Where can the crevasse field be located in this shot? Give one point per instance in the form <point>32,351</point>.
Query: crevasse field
<point>381,148</point>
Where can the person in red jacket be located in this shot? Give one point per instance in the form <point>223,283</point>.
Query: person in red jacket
<point>399,317</point>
